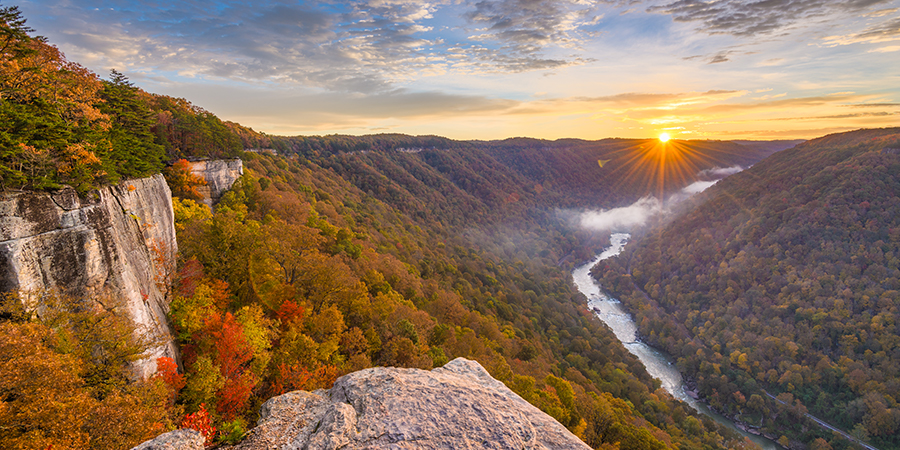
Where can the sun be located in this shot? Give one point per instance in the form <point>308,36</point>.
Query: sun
<point>664,137</point>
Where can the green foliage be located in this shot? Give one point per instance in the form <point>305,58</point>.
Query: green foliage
<point>60,124</point>
<point>233,432</point>
<point>186,130</point>
<point>134,152</point>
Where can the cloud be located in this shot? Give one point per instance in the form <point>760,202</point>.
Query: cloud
<point>291,114</point>
<point>719,172</point>
<point>883,32</point>
<point>698,186</point>
<point>888,49</point>
<point>516,34</point>
<point>636,214</point>
<point>359,46</point>
<point>752,18</point>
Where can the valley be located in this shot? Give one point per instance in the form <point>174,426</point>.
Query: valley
<point>304,259</point>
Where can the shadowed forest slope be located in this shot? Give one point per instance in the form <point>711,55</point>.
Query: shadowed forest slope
<point>785,279</point>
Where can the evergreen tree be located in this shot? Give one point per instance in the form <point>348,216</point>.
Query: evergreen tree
<point>135,152</point>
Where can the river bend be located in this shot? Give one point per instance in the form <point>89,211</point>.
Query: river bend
<point>658,364</point>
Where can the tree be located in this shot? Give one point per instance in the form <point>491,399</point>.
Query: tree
<point>183,182</point>
<point>134,151</point>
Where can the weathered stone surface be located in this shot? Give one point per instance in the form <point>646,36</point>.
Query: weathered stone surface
<point>116,244</point>
<point>458,406</point>
<point>184,439</point>
<point>219,174</point>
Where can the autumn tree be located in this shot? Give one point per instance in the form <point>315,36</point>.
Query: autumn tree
<point>183,182</point>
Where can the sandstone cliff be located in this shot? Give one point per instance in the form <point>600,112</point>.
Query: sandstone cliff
<point>219,174</point>
<point>117,243</point>
<point>458,406</point>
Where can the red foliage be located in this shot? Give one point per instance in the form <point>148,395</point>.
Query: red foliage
<point>224,336</point>
<point>233,351</point>
<point>232,398</point>
<point>201,422</point>
<point>189,277</point>
<point>290,312</point>
<point>167,370</point>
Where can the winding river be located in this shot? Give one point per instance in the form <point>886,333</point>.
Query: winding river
<point>658,364</point>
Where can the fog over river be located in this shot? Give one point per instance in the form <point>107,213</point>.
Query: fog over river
<point>658,365</point>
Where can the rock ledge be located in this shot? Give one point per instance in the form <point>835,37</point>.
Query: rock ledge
<point>458,406</point>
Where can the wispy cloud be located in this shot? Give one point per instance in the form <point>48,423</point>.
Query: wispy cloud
<point>619,67</point>
<point>719,172</point>
<point>698,186</point>
<point>883,32</point>
<point>743,18</point>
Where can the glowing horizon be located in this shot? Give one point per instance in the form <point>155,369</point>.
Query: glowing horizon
<point>495,69</point>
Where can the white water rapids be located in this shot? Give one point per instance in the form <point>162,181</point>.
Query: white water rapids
<point>658,364</point>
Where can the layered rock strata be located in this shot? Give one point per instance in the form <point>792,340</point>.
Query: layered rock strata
<point>118,244</point>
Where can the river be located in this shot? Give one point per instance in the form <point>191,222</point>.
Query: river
<point>658,364</point>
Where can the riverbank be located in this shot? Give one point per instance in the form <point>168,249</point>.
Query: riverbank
<point>690,386</point>
<point>658,364</point>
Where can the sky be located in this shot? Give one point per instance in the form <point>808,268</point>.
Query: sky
<point>493,69</point>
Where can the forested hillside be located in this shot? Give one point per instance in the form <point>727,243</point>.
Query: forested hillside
<point>785,280</point>
<point>60,123</point>
<point>338,254</point>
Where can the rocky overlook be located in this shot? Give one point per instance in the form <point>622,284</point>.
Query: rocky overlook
<point>452,407</point>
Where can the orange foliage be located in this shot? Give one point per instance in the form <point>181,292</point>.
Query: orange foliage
<point>296,377</point>
<point>182,181</point>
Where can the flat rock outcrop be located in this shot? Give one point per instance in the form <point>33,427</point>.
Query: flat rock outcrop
<point>115,244</point>
<point>458,406</point>
<point>219,174</point>
<point>176,440</point>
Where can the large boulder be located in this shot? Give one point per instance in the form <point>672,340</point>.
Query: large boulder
<point>183,439</point>
<point>458,406</point>
<point>452,407</point>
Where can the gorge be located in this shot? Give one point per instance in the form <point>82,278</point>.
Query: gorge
<point>658,364</point>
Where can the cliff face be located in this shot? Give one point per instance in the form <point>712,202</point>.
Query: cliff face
<point>119,244</point>
<point>219,174</point>
<point>451,407</point>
